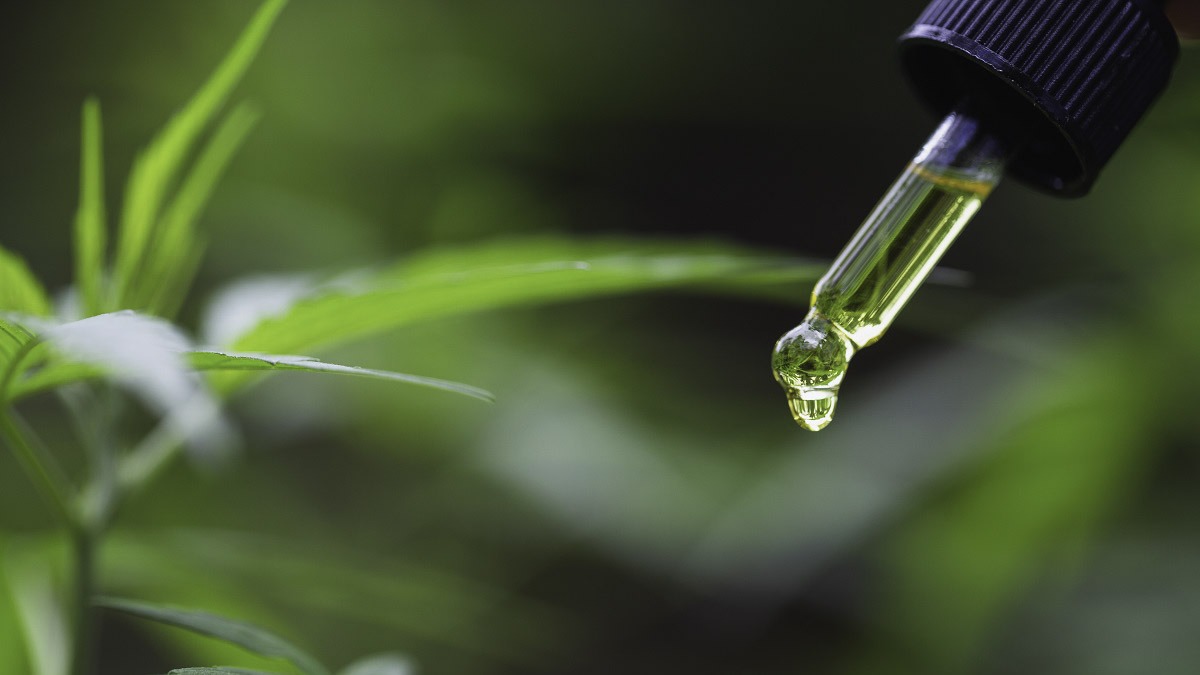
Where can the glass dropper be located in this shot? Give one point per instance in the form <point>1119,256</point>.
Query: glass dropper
<point>1070,78</point>
<point>885,262</point>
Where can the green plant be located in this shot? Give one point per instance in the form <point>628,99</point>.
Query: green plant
<point>113,342</point>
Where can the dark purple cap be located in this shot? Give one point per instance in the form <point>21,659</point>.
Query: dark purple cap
<point>1065,81</point>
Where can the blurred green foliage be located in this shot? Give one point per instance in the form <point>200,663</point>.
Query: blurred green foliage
<point>1008,486</point>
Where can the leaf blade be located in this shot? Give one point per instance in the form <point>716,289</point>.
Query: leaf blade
<point>232,361</point>
<point>157,167</point>
<point>20,291</point>
<point>44,626</point>
<point>174,256</point>
<point>380,664</point>
<point>52,376</point>
<point>60,374</point>
<point>13,337</point>
<point>242,634</point>
<point>441,284</point>
<point>91,236</point>
<point>217,670</point>
<point>144,354</point>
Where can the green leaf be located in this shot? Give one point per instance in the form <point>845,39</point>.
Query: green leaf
<point>12,637</point>
<point>60,373</point>
<point>408,598</point>
<point>176,252</point>
<point>20,291</point>
<point>52,375</point>
<point>381,664</point>
<point>43,622</point>
<point>91,234</point>
<point>218,670</point>
<point>13,337</point>
<point>213,360</point>
<point>144,354</point>
<point>157,168</point>
<point>17,343</point>
<point>446,283</point>
<point>244,635</point>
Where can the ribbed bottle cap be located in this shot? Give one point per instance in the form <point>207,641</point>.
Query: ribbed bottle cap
<point>1066,80</point>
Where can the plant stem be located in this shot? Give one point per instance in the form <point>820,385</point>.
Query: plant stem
<point>54,486</point>
<point>94,411</point>
<point>83,546</point>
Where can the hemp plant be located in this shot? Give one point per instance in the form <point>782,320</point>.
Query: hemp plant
<point>109,347</point>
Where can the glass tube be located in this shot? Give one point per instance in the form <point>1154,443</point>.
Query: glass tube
<point>885,262</point>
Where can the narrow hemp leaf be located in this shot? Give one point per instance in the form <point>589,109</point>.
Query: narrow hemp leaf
<point>244,635</point>
<point>91,234</point>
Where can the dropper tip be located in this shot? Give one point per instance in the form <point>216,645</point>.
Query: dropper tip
<point>809,363</point>
<point>812,408</point>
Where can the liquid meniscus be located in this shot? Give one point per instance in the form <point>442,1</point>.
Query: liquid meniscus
<point>895,250</point>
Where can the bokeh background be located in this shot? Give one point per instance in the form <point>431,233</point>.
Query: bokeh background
<point>1010,484</point>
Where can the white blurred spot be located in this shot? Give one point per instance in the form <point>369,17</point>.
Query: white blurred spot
<point>243,305</point>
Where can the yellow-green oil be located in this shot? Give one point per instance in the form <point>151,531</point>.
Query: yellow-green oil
<point>875,274</point>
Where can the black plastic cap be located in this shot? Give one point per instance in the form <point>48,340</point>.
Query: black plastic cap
<point>1064,80</point>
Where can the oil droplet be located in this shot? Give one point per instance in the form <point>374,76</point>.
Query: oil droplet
<point>812,408</point>
<point>809,363</point>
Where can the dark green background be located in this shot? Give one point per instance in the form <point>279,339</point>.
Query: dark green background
<point>1009,485</point>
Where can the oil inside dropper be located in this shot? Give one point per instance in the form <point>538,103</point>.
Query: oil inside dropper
<point>884,263</point>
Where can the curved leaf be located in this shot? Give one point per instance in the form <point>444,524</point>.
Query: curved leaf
<point>177,252</point>
<point>62,373</point>
<point>157,168</point>
<point>53,375</point>
<point>13,336</point>
<point>213,360</point>
<point>415,602</point>
<point>145,355</point>
<point>217,670</point>
<point>382,664</point>
<point>20,291</point>
<point>445,283</point>
<point>244,635</point>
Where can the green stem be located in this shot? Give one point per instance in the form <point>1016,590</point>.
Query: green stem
<point>94,411</point>
<point>57,490</point>
<point>83,545</point>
